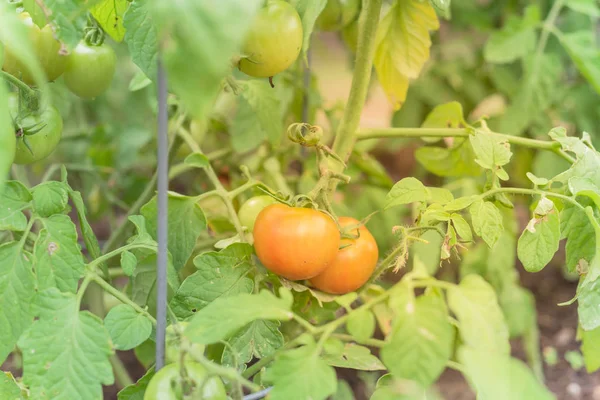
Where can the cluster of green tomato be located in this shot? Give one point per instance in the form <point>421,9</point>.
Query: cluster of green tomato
<point>87,72</point>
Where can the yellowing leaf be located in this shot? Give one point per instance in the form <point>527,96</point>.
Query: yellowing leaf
<point>403,44</point>
<point>109,14</point>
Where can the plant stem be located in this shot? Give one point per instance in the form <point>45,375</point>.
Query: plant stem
<point>118,251</point>
<point>531,192</point>
<point>120,296</point>
<point>18,83</point>
<point>381,133</point>
<point>121,375</point>
<point>365,53</point>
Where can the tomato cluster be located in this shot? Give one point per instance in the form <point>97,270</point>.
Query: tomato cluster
<point>302,243</point>
<point>88,70</point>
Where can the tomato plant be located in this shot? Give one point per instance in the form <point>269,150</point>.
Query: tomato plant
<point>273,42</point>
<point>251,208</point>
<point>90,70</point>
<point>196,233</point>
<point>191,381</point>
<point>353,265</point>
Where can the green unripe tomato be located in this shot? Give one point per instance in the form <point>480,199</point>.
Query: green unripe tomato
<point>90,70</point>
<point>337,14</point>
<point>46,48</point>
<point>274,40</point>
<point>251,208</point>
<point>168,384</point>
<point>42,143</point>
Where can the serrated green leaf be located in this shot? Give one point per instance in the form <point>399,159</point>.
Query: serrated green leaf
<point>458,160</point>
<point>361,325</point>
<point>66,16</point>
<point>354,356</point>
<point>481,320</point>
<point>219,275</point>
<point>14,197</point>
<point>127,328</point>
<point>141,37</point>
<point>407,190</point>
<point>17,288</point>
<point>224,316</point>
<point>403,44</point>
<point>539,241</point>
<point>258,339</point>
<point>128,262</point>
<point>487,221</point>
<point>109,14</point>
<point>300,374</point>
<point>462,227</point>
<point>497,376</point>
<point>50,198</point>
<point>491,151</point>
<point>186,222</point>
<point>421,340</point>
<point>309,11</point>
<point>584,52</point>
<point>59,263</point>
<point>64,336</point>
<point>137,390</point>
<point>515,40</point>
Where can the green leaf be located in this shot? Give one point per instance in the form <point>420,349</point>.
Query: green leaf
<point>258,339</point>
<point>448,115</point>
<point>258,116</point>
<point>403,44</point>
<point>354,356</point>
<point>309,11</point>
<point>66,16</point>
<point>518,307</point>
<point>50,198</point>
<point>91,242</point>
<point>539,242</point>
<point>537,93</point>
<point>421,341</point>
<point>219,275</point>
<point>590,347</point>
<point>64,336</point>
<point>141,37</point>
<point>440,195</point>
<point>536,180</point>
<point>344,391</point>
<point>137,390</point>
<point>584,52</point>
<point>515,40</point>
<point>127,328</point>
<point>186,222</point>
<point>60,263</point>
<point>587,308</point>
<point>458,160</point>
<point>17,288</point>
<point>9,389</point>
<point>224,316</point>
<point>193,63</point>
<point>197,160</point>
<point>300,374</point>
<point>14,197</point>
<point>481,321</point>
<point>497,376</point>
<point>139,81</point>
<point>491,151</point>
<point>462,227</point>
<point>7,136</point>
<point>361,325</point>
<point>109,14</point>
<point>588,7</point>
<point>128,262</point>
<point>581,237</point>
<point>487,221</point>
<point>389,388</point>
<point>407,190</point>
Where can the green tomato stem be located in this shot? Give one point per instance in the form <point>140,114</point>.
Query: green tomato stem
<point>381,133</point>
<point>18,83</point>
<point>365,53</point>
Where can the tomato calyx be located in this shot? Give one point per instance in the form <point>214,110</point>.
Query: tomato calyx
<point>93,33</point>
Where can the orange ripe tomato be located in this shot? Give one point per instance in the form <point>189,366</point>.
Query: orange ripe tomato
<point>296,243</point>
<point>353,265</point>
